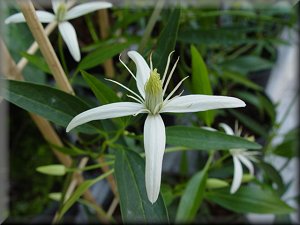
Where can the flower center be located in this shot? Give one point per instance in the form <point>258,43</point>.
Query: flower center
<point>61,12</point>
<point>154,92</point>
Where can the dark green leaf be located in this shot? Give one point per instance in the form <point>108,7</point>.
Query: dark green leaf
<point>198,138</point>
<point>246,64</point>
<point>249,199</point>
<point>216,36</point>
<point>104,94</point>
<point>250,123</point>
<point>201,83</point>
<point>100,55</point>
<point>289,146</point>
<point>274,175</point>
<point>50,103</point>
<point>37,61</point>
<point>241,79</point>
<point>166,41</point>
<point>79,191</point>
<point>130,177</point>
<point>192,197</point>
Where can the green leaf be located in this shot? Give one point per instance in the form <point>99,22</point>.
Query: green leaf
<point>241,79</point>
<point>216,36</point>
<point>134,203</point>
<point>192,197</point>
<point>274,175</point>
<point>37,61</point>
<point>198,138</point>
<point>50,103</point>
<point>166,41</point>
<point>201,83</point>
<point>103,93</point>
<point>79,191</point>
<point>250,122</point>
<point>246,64</point>
<point>100,55</point>
<point>249,199</point>
<point>289,146</point>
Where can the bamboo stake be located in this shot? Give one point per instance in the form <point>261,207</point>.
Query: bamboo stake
<point>104,31</point>
<point>46,48</point>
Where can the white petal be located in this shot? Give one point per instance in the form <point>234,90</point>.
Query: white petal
<point>227,128</point>
<point>43,16</point>
<point>86,8</point>
<point>15,18</point>
<point>105,112</point>
<point>196,103</point>
<point>237,175</point>
<point>154,142</point>
<point>247,163</point>
<point>142,71</point>
<point>56,3</point>
<point>68,33</point>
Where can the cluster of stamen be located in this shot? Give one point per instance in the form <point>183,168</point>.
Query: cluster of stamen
<point>153,92</point>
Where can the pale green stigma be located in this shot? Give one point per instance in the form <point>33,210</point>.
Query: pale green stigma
<point>61,12</point>
<point>154,92</point>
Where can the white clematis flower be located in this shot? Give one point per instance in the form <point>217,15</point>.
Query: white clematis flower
<point>152,101</point>
<point>239,156</point>
<point>61,15</point>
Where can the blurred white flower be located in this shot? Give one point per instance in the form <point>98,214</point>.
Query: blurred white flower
<point>61,16</point>
<point>152,101</point>
<point>240,156</point>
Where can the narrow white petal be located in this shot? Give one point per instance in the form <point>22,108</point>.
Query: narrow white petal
<point>68,33</point>
<point>226,128</point>
<point>43,16</point>
<point>247,163</point>
<point>142,71</point>
<point>15,18</point>
<point>154,142</point>
<point>56,3</point>
<point>86,8</point>
<point>113,110</point>
<point>237,175</point>
<point>195,103</point>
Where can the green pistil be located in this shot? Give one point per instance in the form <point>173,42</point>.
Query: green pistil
<point>61,12</point>
<point>153,90</point>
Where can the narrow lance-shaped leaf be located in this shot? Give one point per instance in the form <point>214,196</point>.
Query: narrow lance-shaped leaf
<point>166,41</point>
<point>202,139</point>
<point>101,54</point>
<point>134,203</point>
<point>201,83</point>
<point>250,199</point>
<point>50,103</point>
<point>192,197</point>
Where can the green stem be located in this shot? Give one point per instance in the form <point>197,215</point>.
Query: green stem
<point>96,166</point>
<point>154,17</point>
<point>61,54</point>
<point>91,28</point>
